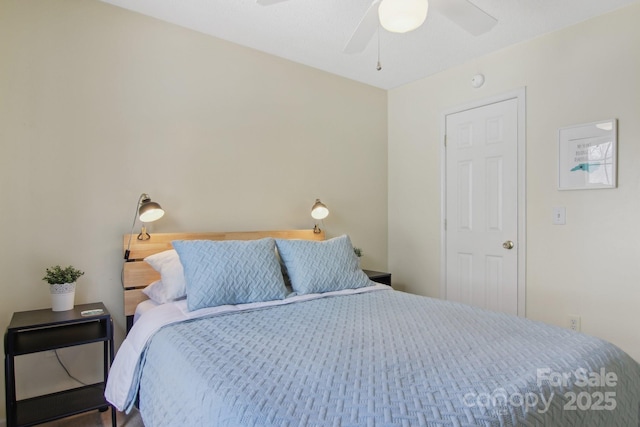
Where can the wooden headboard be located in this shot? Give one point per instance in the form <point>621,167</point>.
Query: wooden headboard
<point>137,274</point>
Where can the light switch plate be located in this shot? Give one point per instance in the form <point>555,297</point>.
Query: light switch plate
<point>559,215</point>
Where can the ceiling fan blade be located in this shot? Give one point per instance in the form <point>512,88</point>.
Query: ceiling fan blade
<point>466,15</point>
<point>364,31</point>
<point>268,2</point>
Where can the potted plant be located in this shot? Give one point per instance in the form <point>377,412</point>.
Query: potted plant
<point>62,285</point>
<point>359,253</point>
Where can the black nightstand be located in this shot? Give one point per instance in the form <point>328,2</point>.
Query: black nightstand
<point>379,276</point>
<point>42,330</point>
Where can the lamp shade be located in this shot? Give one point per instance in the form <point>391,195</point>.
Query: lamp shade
<point>150,211</point>
<point>319,210</point>
<point>401,16</point>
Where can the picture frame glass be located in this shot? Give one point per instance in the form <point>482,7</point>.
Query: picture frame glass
<point>587,157</point>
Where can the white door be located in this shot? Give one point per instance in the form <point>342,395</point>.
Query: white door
<point>481,224</point>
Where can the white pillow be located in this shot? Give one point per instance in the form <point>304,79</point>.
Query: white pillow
<point>157,292</point>
<point>171,285</point>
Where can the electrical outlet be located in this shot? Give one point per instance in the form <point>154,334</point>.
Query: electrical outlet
<point>574,323</point>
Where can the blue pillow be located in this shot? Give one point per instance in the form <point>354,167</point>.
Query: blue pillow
<point>324,266</point>
<point>230,272</point>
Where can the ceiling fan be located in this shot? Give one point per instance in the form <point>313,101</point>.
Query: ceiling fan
<point>462,12</point>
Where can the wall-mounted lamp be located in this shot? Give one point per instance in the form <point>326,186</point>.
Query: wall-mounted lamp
<point>319,211</point>
<point>146,211</point>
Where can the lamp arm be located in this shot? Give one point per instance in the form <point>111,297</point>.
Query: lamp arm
<point>135,216</point>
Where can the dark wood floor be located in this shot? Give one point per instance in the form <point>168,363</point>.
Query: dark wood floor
<point>99,419</point>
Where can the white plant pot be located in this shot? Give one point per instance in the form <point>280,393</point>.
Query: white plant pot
<point>62,296</point>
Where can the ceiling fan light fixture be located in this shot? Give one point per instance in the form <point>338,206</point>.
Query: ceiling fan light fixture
<point>401,16</point>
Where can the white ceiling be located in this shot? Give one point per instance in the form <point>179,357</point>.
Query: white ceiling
<point>314,32</point>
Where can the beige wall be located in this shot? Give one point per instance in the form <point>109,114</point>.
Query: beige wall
<point>98,104</point>
<point>588,267</point>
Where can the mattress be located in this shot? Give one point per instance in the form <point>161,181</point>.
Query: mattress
<point>376,357</point>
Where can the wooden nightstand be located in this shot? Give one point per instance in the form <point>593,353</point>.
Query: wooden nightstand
<point>41,330</point>
<point>379,276</point>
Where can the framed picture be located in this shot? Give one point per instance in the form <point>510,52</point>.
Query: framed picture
<point>587,157</point>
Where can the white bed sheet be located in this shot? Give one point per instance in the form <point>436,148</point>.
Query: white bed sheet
<point>143,308</point>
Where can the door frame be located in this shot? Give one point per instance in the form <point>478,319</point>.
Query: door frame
<point>520,95</point>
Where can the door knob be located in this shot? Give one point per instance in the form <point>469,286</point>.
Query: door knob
<point>508,244</point>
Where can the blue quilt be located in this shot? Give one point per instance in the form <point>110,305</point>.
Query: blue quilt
<point>383,358</point>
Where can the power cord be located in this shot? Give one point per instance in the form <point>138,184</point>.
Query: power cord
<point>65,368</point>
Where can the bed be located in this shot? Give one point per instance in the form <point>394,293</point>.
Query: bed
<point>354,353</point>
